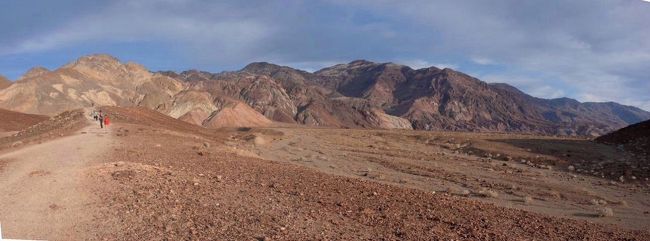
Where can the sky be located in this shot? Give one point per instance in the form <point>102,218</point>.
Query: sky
<point>589,50</point>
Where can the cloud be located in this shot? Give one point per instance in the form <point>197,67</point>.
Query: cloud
<point>599,48</point>
<point>589,49</point>
<point>420,64</point>
<point>204,32</point>
<point>482,60</point>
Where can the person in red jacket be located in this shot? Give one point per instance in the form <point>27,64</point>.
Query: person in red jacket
<point>107,121</point>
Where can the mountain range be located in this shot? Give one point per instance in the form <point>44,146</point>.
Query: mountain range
<point>359,94</point>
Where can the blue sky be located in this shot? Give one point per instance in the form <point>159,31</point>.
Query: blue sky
<point>590,50</point>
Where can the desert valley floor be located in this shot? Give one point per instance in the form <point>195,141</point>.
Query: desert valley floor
<point>152,177</point>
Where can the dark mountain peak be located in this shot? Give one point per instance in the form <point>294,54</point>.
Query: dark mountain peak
<point>286,75</point>
<point>257,67</point>
<point>341,69</point>
<point>361,62</point>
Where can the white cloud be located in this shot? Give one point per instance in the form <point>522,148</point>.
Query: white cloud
<point>592,49</point>
<point>420,64</point>
<point>482,60</point>
<point>128,21</point>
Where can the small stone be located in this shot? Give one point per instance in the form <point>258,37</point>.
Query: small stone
<point>206,145</point>
<point>571,168</point>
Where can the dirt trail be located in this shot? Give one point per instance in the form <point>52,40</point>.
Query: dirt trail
<point>42,192</point>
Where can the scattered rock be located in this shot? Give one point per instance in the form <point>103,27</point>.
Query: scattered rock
<point>605,212</point>
<point>488,193</point>
<point>16,144</point>
<point>527,200</point>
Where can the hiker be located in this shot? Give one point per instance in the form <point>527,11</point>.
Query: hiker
<point>107,121</point>
<point>101,119</point>
<point>94,114</point>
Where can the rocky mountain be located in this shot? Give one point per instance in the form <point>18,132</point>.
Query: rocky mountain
<point>281,94</point>
<point>4,82</point>
<point>90,80</point>
<point>435,99</point>
<point>360,94</point>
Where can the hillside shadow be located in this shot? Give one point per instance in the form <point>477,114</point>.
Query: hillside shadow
<point>587,157</point>
<point>569,151</point>
<point>564,149</point>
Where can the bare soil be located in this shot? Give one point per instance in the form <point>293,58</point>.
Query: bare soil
<point>152,178</point>
<point>15,121</point>
<point>514,167</point>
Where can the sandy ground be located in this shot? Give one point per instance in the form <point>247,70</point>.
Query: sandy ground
<point>156,178</point>
<point>42,187</point>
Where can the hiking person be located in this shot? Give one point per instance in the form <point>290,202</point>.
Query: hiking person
<point>101,119</point>
<point>107,121</point>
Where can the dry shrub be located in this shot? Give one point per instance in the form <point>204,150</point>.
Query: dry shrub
<point>488,193</point>
<point>527,200</point>
<point>457,191</point>
<point>605,212</point>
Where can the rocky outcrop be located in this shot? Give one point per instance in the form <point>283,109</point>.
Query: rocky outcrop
<point>99,80</point>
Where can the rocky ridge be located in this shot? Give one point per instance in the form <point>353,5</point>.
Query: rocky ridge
<point>360,94</point>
